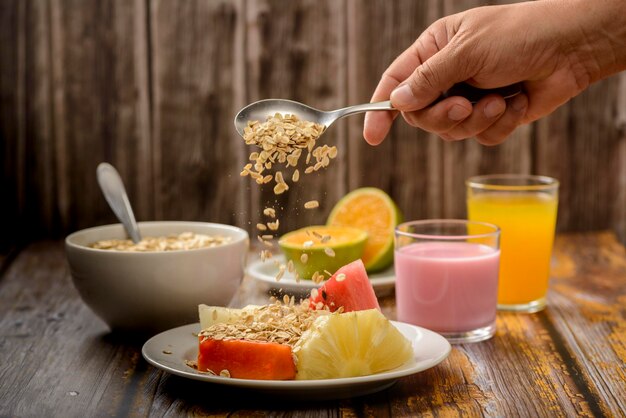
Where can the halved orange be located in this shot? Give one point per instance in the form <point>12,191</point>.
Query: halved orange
<point>372,210</point>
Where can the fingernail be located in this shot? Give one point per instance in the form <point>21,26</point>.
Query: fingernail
<point>519,102</point>
<point>458,112</point>
<point>494,108</point>
<point>402,96</point>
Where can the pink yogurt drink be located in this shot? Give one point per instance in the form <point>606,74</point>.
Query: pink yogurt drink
<point>447,287</point>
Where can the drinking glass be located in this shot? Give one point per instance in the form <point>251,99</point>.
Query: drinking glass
<point>525,209</point>
<point>447,277</point>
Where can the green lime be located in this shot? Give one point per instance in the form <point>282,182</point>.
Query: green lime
<point>322,248</point>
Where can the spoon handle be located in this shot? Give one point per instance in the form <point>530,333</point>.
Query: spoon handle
<point>115,194</point>
<point>365,107</point>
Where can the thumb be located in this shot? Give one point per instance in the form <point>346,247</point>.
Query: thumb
<point>429,81</point>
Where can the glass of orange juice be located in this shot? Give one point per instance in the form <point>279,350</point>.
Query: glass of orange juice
<point>524,207</point>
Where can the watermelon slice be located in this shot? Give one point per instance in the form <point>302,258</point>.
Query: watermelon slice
<point>348,287</point>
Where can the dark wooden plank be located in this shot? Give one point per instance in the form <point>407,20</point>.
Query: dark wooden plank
<point>38,170</point>
<point>296,50</point>
<point>12,21</point>
<point>100,106</point>
<point>197,153</point>
<point>587,309</point>
<point>58,357</point>
<point>619,208</point>
<point>516,373</point>
<point>408,163</point>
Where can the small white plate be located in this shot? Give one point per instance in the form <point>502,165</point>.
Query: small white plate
<point>265,272</point>
<point>169,350</point>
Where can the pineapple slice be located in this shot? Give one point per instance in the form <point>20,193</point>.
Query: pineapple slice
<point>211,315</point>
<point>350,344</point>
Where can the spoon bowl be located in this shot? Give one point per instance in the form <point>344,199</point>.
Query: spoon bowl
<point>261,109</point>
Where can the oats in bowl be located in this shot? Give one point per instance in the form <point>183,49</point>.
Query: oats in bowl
<point>184,241</point>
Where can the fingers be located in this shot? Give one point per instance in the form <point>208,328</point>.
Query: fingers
<point>436,75</point>
<point>490,120</point>
<point>377,124</point>
<point>442,117</point>
<point>513,117</point>
<point>485,113</point>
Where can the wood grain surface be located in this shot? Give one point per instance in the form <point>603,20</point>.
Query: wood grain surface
<point>59,359</point>
<point>152,87</point>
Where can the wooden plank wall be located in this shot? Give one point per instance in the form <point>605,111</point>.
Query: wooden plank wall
<point>152,86</point>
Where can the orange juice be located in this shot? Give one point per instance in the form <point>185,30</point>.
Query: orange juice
<point>527,221</point>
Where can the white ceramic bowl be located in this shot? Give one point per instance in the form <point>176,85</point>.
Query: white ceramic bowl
<point>154,291</point>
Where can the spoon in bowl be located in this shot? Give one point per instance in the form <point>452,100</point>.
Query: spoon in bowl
<point>114,192</point>
<point>263,108</point>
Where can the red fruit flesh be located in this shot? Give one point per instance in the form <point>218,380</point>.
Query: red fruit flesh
<point>349,287</point>
<point>246,359</point>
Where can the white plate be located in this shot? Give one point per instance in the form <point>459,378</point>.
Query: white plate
<point>265,272</point>
<point>169,350</point>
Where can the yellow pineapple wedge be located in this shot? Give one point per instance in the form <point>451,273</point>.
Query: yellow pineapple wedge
<point>350,344</point>
<point>211,315</point>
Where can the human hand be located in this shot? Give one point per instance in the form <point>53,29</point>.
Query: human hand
<point>544,44</point>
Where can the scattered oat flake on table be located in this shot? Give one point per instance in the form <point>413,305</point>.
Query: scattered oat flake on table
<point>329,252</point>
<point>304,258</point>
<point>271,212</point>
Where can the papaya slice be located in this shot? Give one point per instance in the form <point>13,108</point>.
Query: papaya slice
<point>242,359</point>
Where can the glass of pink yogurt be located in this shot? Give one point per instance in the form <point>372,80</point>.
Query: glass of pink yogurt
<point>447,277</point>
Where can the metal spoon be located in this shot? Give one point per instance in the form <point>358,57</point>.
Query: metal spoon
<point>263,108</point>
<point>115,194</point>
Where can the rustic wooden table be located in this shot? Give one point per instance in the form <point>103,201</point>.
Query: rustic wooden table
<point>58,359</point>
